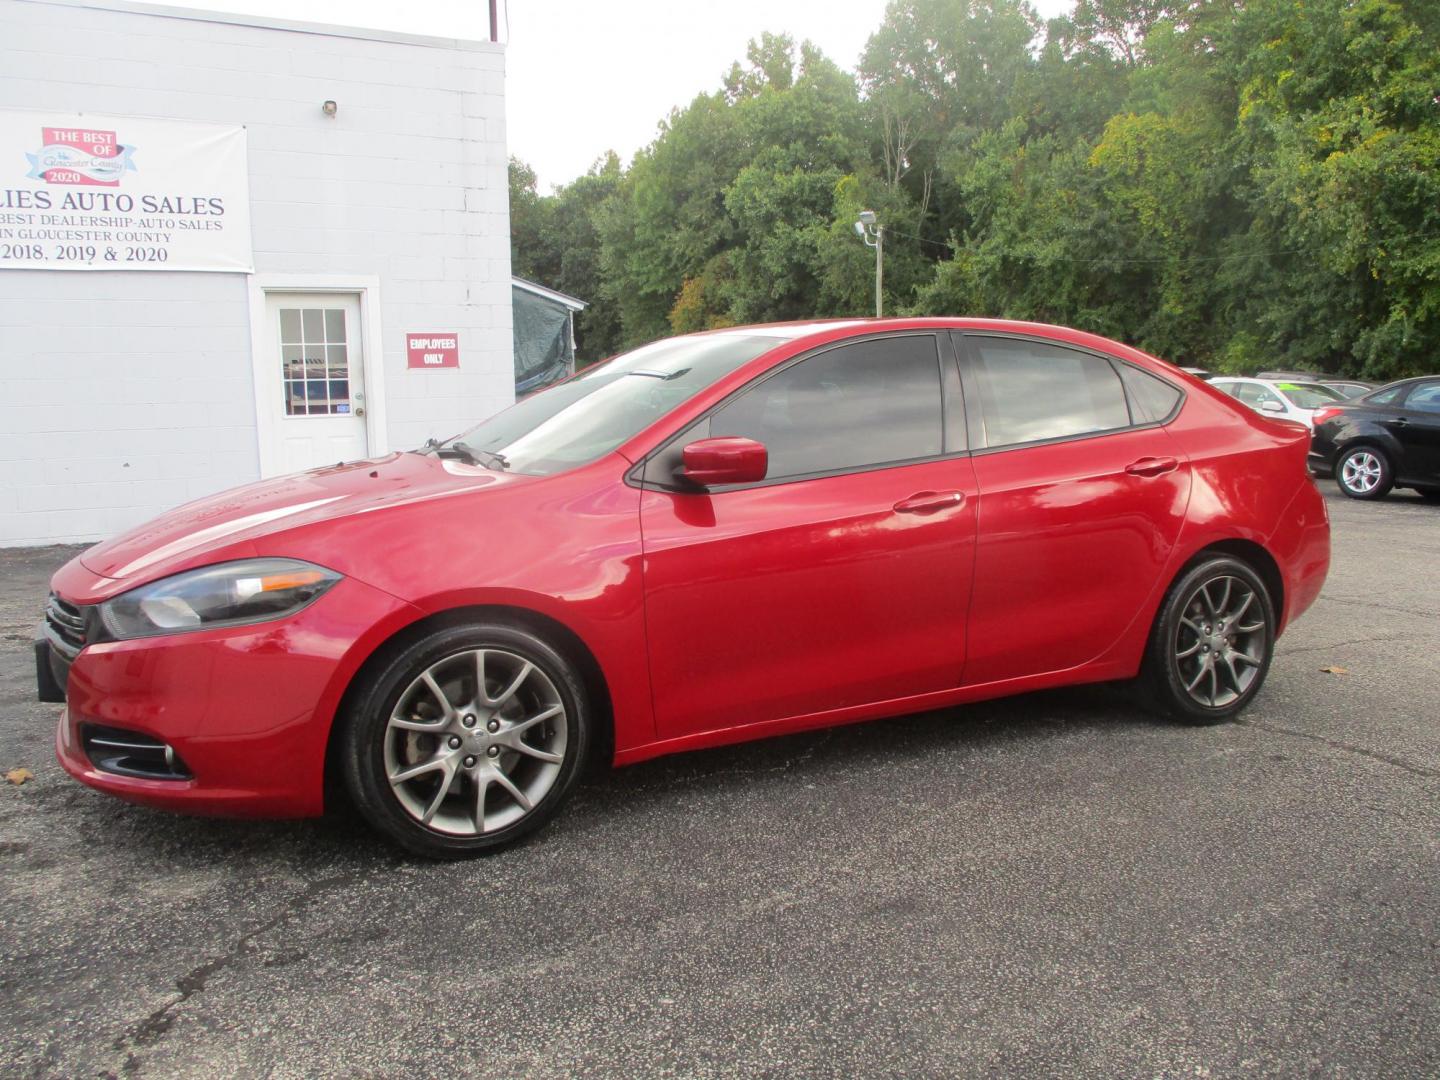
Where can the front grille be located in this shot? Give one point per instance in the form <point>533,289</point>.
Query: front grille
<point>66,623</point>
<point>129,753</point>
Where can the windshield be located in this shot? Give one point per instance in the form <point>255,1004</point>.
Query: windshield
<point>590,415</point>
<point>1308,395</point>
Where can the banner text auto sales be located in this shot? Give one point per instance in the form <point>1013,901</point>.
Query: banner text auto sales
<point>112,202</point>
<point>171,213</point>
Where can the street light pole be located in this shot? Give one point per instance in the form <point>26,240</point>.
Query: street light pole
<point>873,234</point>
<point>879,270</point>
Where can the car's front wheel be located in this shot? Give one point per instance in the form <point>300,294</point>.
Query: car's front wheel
<point>1364,472</point>
<point>467,740</point>
<point>1211,644</point>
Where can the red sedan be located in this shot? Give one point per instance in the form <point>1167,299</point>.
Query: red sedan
<point>713,538</point>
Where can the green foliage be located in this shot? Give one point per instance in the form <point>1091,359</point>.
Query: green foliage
<point>1239,185</point>
<point>555,241</point>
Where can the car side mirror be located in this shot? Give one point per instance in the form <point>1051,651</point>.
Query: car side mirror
<point>723,460</point>
<point>1271,406</point>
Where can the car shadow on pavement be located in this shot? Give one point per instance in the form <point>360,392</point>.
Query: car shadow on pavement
<point>896,741</point>
<point>607,799</point>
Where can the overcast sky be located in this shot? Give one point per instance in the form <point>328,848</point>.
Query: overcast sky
<point>586,76</point>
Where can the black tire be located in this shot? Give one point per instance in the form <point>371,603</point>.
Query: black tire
<point>1164,675</point>
<point>367,737</point>
<point>1355,488</point>
<point>1430,495</point>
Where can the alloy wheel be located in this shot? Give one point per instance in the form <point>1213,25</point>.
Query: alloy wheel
<point>475,742</point>
<point>1220,641</point>
<point>1361,471</point>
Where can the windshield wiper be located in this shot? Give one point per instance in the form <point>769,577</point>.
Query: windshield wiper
<point>472,456</point>
<point>468,454</point>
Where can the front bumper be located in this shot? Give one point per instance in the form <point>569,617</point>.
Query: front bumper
<point>247,709</point>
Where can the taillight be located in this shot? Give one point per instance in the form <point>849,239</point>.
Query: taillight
<point>1327,413</point>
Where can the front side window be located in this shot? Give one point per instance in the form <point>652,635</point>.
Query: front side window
<point>1256,395</point>
<point>1385,397</point>
<point>1030,391</point>
<point>590,415</point>
<point>868,403</point>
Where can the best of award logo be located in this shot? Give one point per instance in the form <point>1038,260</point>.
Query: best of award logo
<point>77,156</point>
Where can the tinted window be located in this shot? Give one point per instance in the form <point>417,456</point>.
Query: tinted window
<point>1030,390</point>
<point>1425,398</point>
<point>868,403</point>
<point>1155,397</point>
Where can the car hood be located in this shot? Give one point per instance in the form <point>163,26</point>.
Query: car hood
<point>219,526</point>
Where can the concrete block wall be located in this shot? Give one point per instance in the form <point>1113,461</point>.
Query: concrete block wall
<point>125,393</point>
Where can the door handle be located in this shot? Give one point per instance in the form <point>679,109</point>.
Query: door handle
<point>927,502</point>
<point>1151,466</point>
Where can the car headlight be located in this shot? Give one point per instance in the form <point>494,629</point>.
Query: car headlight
<point>227,594</point>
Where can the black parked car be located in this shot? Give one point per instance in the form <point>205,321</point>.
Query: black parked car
<point>1388,438</point>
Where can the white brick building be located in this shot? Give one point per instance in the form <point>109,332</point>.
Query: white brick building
<point>127,391</point>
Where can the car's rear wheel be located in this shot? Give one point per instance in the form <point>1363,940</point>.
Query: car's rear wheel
<point>469,739</point>
<point>1429,494</point>
<point>1211,644</point>
<point>1364,472</point>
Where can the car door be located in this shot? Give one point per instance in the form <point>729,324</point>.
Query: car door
<point>1082,497</point>
<point>843,578</point>
<point>1417,425</point>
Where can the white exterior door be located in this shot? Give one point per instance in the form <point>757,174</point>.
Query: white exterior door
<point>316,344</point>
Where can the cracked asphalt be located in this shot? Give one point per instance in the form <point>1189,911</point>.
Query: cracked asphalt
<point>1051,885</point>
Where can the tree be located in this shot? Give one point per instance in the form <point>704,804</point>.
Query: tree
<point>529,247</point>
<point>1340,114</point>
<point>1238,184</point>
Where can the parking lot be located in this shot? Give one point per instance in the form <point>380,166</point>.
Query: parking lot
<point>1053,885</point>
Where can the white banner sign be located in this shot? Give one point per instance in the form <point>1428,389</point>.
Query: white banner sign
<point>91,192</point>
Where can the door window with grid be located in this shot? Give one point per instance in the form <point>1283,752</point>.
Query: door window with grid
<point>315,359</point>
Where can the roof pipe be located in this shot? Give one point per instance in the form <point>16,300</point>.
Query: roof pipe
<point>494,20</point>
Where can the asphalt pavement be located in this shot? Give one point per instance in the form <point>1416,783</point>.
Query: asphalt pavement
<point>1053,885</point>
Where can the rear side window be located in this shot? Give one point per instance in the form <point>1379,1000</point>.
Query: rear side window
<point>1425,398</point>
<point>868,403</point>
<point>1153,396</point>
<point>1031,391</point>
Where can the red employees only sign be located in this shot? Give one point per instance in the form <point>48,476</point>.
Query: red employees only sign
<point>433,350</point>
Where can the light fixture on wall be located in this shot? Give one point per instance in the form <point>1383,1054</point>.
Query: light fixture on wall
<point>329,108</point>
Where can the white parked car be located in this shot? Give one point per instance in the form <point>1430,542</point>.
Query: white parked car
<point>1279,398</point>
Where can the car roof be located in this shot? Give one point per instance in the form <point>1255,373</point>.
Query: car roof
<point>822,329</point>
